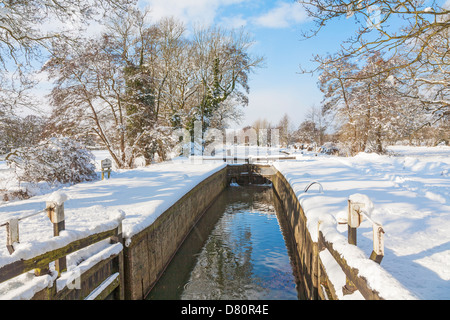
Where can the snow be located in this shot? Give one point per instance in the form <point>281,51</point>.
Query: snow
<point>58,197</point>
<point>134,197</point>
<point>367,204</point>
<point>407,192</point>
<point>410,195</point>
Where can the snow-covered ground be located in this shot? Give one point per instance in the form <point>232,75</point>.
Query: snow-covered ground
<point>410,192</point>
<point>137,196</point>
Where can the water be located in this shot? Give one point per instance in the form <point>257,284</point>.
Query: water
<point>236,252</point>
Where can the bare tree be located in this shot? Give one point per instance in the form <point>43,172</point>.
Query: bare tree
<point>285,130</point>
<point>337,83</point>
<point>316,116</point>
<point>138,82</point>
<point>263,129</point>
<point>26,29</point>
<point>312,129</point>
<point>422,40</point>
<point>423,22</point>
<point>91,88</point>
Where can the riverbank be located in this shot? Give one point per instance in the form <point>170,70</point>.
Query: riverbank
<point>410,193</point>
<point>137,196</point>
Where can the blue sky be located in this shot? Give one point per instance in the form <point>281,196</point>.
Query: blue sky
<point>276,27</point>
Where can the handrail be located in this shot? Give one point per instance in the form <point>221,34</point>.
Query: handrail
<point>364,213</point>
<point>353,279</point>
<point>12,229</point>
<point>40,263</point>
<point>24,217</point>
<point>378,239</point>
<point>356,212</point>
<point>312,183</point>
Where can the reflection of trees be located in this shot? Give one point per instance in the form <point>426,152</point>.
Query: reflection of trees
<point>240,259</point>
<point>251,199</point>
<point>224,268</point>
<point>170,285</point>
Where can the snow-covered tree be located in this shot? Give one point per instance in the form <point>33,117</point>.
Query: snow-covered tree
<point>105,86</point>
<point>17,132</point>
<point>429,74</point>
<point>415,31</point>
<point>55,160</point>
<point>222,65</point>
<point>337,83</point>
<point>26,30</point>
<point>138,82</point>
<point>368,103</point>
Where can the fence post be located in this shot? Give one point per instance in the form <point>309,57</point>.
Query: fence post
<point>118,237</point>
<point>353,220</point>
<point>55,212</point>
<point>320,248</point>
<point>378,244</point>
<point>119,293</point>
<point>12,230</point>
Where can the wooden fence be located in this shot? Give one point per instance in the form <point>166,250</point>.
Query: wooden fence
<point>354,281</point>
<point>104,279</point>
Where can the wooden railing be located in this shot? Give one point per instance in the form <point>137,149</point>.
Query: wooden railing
<point>354,281</point>
<point>40,263</point>
<point>12,229</point>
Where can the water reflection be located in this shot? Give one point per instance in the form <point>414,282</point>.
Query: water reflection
<point>236,251</point>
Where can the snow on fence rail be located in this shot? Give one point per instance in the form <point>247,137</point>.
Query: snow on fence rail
<point>40,262</point>
<point>12,229</point>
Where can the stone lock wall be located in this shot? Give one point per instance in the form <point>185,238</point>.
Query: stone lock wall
<point>152,249</point>
<point>306,248</point>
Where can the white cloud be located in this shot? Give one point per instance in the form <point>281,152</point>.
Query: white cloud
<point>447,5</point>
<point>233,22</point>
<point>282,16</point>
<point>201,12</point>
<point>205,12</point>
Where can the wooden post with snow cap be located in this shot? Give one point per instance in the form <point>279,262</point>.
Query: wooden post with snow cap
<point>353,220</point>
<point>55,212</point>
<point>361,207</point>
<point>12,230</point>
